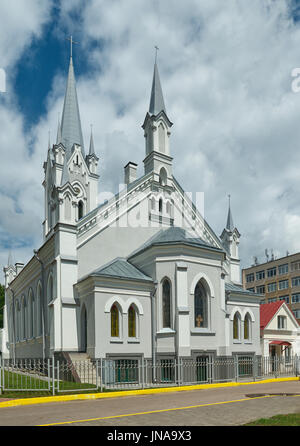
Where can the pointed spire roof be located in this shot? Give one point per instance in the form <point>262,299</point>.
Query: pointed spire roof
<point>65,173</point>
<point>229,224</point>
<point>92,148</point>
<point>157,103</point>
<point>71,131</point>
<point>58,137</point>
<point>10,259</point>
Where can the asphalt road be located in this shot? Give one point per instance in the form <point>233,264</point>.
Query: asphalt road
<point>229,406</point>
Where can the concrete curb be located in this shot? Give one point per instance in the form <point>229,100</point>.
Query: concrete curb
<point>92,396</point>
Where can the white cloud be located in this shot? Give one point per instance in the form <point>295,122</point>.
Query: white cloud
<point>20,199</point>
<point>225,70</point>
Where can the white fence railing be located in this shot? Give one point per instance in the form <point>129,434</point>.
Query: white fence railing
<point>57,376</point>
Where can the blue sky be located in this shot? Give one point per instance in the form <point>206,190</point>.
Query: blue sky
<point>225,70</point>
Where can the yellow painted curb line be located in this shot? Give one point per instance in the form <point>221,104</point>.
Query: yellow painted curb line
<point>92,396</point>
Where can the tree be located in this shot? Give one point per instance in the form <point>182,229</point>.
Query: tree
<point>2,303</point>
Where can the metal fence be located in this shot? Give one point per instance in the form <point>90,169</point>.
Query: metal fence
<point>58,376</point>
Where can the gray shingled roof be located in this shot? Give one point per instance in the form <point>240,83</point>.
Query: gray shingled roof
<point>239,290</point>
<point>174,235</point>
<point>157,103</point>
<point>120,268</point>
<point>71,131</point>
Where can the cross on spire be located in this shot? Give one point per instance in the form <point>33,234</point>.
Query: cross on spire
<point>72,41</point>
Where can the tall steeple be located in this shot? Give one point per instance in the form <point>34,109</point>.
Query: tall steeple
<point>71,131</point>
<point>229,224</point>
<point>231,238</point>
<point>157,103</point>
<point>157,132</point>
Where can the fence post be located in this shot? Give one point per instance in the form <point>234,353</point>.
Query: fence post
<point>254,367</point>
<point>142,373</point>
<point>97,374</point>
<point>101,375</point>
<point>1,384</point>
<point>53,373</point>
<point>236,368</point>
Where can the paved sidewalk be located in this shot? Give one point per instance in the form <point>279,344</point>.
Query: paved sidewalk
<point>208,407</point>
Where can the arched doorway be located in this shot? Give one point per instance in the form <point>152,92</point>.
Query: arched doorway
<point>83,329</point>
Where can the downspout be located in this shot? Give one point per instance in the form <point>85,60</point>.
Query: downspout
<point>43,303</point>
<point>14,323</point>
<point>153,331</point>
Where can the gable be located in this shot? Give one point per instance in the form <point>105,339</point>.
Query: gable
<point>128,220</point>
<point>281,310</point>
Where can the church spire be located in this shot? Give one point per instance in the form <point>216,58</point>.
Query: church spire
<point>92,149</point>
<point>58,137</point>
<point>71,131</point>
<point>157,103</point>
<point>229,224</point>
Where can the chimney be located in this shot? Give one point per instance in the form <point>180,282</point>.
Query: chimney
<point>19,266</point>
<point>130,172</point>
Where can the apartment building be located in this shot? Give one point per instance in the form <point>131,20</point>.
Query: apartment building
<point>277,280</point>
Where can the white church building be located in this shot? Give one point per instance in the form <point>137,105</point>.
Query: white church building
<point>141,275</point>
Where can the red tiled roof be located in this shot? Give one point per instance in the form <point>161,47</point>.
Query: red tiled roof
<point>267,311</point>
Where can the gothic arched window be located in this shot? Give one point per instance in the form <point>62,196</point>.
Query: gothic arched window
<point>163,176</point>
<point>166,303</point>
<point>131,322</point>
<point>247,326</point>
<point>30,315</point>
<point>23,312</point>
<point>201,306</point>
<point>160,206</point>
<point>39,304</point>
<point>80,210</point>
<point>236,326</point>
<point>114,320</point>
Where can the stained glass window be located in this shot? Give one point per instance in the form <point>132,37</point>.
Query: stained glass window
<point>114,314</point>
<point>200,307</point>
<point>131,322</point>
<point>166,304</point>
<point>247,327</point>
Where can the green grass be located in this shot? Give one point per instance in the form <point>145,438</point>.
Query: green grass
<point>292,419</point>
<point>18,381</point>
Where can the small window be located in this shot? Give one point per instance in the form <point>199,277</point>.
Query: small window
<point>271,272</point>
<point>283,284</point>
<point>260,275</point>
<point>250,277</point>
<point>281,322</point>
<point>296,281</point>
<point>272,287</point>
<point>80,210</point>
<point>160,206</point>
<point>283,269</point>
